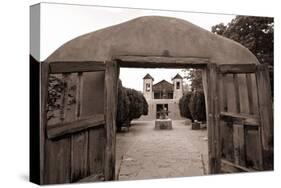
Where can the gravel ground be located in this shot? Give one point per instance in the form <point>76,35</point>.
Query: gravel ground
<point>145,153</point>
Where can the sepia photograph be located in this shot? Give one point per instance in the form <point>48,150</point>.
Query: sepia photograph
<point>135,94</point>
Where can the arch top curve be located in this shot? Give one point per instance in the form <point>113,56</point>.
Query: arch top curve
<point>153,36</point>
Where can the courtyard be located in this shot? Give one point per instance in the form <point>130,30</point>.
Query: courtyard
<point>145,153</point>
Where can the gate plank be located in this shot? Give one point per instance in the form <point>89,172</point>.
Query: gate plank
<point>79,156</point>
<point>96,150</point>
<point>44,72</point>
<point>236,90</point>
<point>79,141</point>
<point>250,93</point>
<point>266,115</point>
<point>253,148</point>
<point>239,144</point>
<point>57,163</point>
<point>58,152</point>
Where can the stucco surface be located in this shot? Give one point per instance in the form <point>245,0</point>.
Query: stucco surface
<point>155,36</point>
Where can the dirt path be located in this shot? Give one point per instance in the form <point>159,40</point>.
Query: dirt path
<point>145,153</point>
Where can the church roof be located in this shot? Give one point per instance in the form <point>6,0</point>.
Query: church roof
<point>148,76</point>
<point>163,85</point>
<point>177,77</point>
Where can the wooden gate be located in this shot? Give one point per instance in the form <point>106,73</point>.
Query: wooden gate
<point>78,107</point>
<point>240,118</point>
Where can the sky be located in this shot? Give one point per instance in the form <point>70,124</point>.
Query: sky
<point>61,23</point>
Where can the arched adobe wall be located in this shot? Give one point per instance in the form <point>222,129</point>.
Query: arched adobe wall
<point>153,35</point>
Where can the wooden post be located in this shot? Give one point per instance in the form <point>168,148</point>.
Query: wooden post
<point>44,79</point>
<point>111,78</point>
<point>266,115</point>
<point>213,119</point>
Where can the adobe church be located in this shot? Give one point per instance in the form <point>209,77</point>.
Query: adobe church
<point>162,95</point>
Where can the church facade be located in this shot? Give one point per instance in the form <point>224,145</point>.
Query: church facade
<point>162,95</point>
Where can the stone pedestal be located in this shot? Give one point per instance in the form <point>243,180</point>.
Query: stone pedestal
<point>195,126</point>
<point>163,124</point>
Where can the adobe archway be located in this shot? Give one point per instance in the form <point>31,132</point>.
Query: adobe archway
<point>154,41</point>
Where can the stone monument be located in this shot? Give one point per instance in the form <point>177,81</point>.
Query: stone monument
<point>163,122</point>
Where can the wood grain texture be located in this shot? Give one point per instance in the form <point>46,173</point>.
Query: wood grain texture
<point>79,140</point>
<point>251,120</point>
<point>237,68</point>
<point>239,144</point>
<point>227,141</point>
<point>79,155</point>
<point>75,126</point>
<point>253,148</point>
<point>250,93</point>
<point>213,123</point>
<point>232,167</point>
<point>161,62</point>
<point>236,91</point>
<point>96,150</point>
<point>57,163</point>
<point>44,73</point>
<point>111,78</point>
<point>266,115</point>
<point>69,67</point>
<point>58,152</point>
<point>243,93</point>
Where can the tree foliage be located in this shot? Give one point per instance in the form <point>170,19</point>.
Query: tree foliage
<point>183,105</point>
<point>197,106</point>
<point>192,106</point>
<point>131,105</point>
<point>255,33</point>
<point>136,107</point>
<point>122,106</point>
<point>195,78</point>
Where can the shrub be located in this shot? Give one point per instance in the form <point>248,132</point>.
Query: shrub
<point>131,105</point>
<point>122,106</point>
<point>136,107</point>
<point>184,106</point>
<point>197,106</point>
<point>192,106</point>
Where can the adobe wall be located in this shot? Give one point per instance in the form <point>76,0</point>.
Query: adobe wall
<point>173,107</point>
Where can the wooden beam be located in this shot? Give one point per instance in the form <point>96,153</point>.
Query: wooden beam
<point>212,120</point>
<point>72,66</point>
<point>266,115</point>
<point>237,68</point>
<point>75,126</point>
<point>234,167</point>
<point>251,120</point>
<point>111,93</point>
<point>161,62</point>
<point>92,178</point>
<point>44,79</point>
